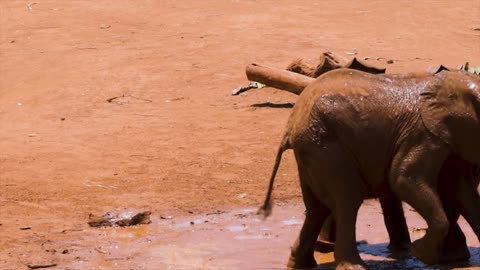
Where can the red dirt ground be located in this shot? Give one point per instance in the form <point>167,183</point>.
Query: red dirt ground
<point>175,141</point>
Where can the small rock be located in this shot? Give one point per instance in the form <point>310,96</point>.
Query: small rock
<point>140,218</point>
<point>110,220</point>
<point>242,195</point>
<point>419,229</point>
<point>99,221</point>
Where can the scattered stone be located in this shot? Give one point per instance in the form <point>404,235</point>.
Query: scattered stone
<point>174,99</point>
<point>100,221</point>
<point>242,195</point>
<point>419,229</point>
<point>217,212</point>
<point>125,99</point>
<point>140,218</point>
<point>110,220</point>
<point>72,230</point>
<point>100,251</point>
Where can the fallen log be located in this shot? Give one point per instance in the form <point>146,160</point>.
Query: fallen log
<point>299,74</point>
<point>278,78</point>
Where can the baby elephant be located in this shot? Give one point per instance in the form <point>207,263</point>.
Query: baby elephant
<point>357,135</point>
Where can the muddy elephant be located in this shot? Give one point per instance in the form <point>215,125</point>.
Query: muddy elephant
<point>454,248</point>
<point>356,135</point>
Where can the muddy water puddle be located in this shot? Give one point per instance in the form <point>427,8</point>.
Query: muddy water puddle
<point>238,239</point>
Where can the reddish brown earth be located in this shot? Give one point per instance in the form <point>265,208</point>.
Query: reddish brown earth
<point>175,141</point>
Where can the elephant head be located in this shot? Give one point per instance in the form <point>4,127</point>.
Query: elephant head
<point>450,109</point>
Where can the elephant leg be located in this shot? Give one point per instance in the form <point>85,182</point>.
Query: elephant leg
<point>469,201</point>
<point>455,244</point>
<point>336,181</point>
<point>413,179</point>
<point>346,253</point>
<point>315,215</point>
<point>427,204</point>
<point>326,239</point>
<point>395,223</point>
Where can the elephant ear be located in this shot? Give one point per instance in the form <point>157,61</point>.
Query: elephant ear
<point>448,110</point>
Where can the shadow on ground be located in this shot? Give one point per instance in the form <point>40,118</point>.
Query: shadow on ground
<point>274,105</point>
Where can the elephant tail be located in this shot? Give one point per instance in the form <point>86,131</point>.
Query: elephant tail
<point>266,208</point>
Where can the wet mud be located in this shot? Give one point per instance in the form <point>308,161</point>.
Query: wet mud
<point>236,239</point>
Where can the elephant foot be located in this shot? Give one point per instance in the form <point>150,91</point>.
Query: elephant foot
<point>454,254</point>
<point>399,250</point>
<point>425,252</point>
<point>398,247</point>
<point>454,248</point>
<point>296,262</point>
<point>350,266</point>
<point>324,246</point>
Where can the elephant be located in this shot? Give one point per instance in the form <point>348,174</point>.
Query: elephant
<point>357,135</point>
<point>454,169</point>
